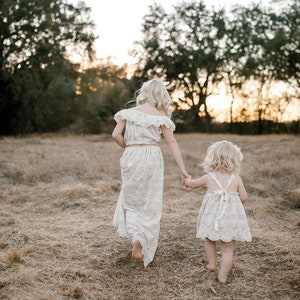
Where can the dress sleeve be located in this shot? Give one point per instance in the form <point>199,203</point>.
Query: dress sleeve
<point>168,123</point>
<point>120,115</point>
<point>144,119</point>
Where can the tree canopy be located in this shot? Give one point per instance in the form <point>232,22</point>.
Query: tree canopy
<point>251,50</point>
<point>195,48</point>
<point>37,39</point>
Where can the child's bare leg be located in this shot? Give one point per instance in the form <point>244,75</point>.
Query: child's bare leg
<point>210,247</point>
<point>137,251</point>
<point>227,252</point>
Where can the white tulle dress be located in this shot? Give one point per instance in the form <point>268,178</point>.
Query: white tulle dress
<point>222,215</point>
<point>139,207</point>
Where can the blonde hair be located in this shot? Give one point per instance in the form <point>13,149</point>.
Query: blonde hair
<point>223,155</point>
<point>155,93</point>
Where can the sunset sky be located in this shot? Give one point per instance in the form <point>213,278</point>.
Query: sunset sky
<point>119,23</point>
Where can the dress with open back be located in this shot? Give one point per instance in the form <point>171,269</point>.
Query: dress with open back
<point>222,215</point>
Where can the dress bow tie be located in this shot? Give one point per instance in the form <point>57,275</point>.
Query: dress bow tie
<point>224,197</point>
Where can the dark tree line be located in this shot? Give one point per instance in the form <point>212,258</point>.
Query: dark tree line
<point>37,77</point>
<point>193,47</point>
<point>196,48</point>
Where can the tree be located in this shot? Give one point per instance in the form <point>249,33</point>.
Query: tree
<point>195,49</point>
<point>36,41</point>
<point>269,56</point>
<point>282,48</point>
<point>184,48</point>
<point>104,89</point>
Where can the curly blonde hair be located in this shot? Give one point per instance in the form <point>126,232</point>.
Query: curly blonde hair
<point>155,93</point>
<point>223,155</point>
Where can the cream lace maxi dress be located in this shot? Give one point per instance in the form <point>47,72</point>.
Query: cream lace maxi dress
<point>139,207</point>
<point>222,215</point>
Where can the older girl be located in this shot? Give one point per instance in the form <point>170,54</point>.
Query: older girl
<point>138,131</point>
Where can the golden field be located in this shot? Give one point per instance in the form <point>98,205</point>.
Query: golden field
<point>58,194</point>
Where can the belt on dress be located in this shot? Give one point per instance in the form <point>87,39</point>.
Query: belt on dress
<point>141,145</point>
<point>224,197</point>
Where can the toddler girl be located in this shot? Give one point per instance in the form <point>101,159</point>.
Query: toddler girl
<point>222,216</point>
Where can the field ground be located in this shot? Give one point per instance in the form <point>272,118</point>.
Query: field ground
<point>58,195</point>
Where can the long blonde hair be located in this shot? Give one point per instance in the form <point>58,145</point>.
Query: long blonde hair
<point>223,155</point>
<point>155,93</point>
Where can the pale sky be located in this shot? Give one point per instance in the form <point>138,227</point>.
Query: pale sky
<point>119,23</point>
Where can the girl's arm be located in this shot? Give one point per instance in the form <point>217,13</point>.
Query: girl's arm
<point>175,150</point>
<point>242,191</point>
<point>117,133</point>
<point>196,183</point>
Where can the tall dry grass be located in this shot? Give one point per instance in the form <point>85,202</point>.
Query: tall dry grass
<point>58,195</point>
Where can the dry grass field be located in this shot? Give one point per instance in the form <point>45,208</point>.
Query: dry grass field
<point>58,195</point>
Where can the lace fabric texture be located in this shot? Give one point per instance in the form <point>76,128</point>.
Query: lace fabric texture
<point>139,206</point>
<point>222,216</point>
<point>142,128</point>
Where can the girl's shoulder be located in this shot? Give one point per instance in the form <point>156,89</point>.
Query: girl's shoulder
<point>149,109</point>
<point>224,179</point>
<point>223,174</point>
<point>143,118</point>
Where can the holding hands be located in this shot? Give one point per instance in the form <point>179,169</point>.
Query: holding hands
<point>184,175</point>
<point>195,183</point>
<point>185,178</point>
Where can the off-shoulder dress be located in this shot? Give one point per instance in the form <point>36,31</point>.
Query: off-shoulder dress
<point>139,206</point>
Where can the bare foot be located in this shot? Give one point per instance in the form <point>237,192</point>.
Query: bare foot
<point>211,268</point>
<point>137,251</point>
<point>222,280</point>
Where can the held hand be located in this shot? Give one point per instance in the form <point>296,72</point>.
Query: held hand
<point>186,181</point>
<point>184,175</point>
